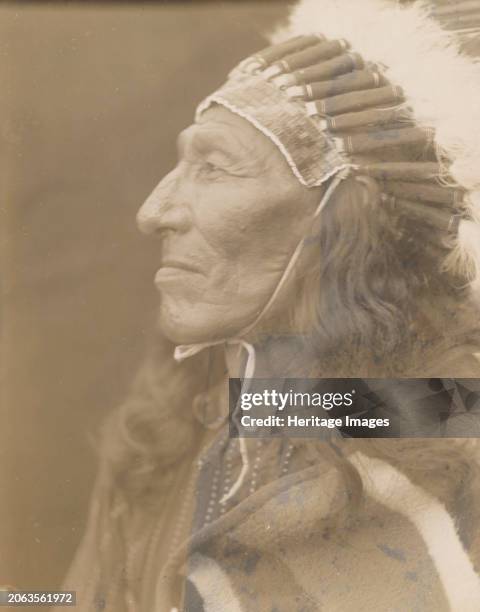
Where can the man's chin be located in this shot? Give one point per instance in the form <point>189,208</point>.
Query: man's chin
<point>196,325</point>
<point>183,331</point>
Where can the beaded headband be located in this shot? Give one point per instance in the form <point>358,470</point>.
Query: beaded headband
<point>384,91</point>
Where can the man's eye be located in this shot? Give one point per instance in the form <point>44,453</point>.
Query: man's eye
<point>210,168</point>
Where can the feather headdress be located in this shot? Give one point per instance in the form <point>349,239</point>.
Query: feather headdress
<point>359,86</point>
<point>419,49</point>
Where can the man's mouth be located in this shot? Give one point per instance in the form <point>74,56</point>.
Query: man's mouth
<point>178,264</point>
<point>172,270</point>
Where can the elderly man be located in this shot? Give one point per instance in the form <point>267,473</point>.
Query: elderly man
<point>322,221</point>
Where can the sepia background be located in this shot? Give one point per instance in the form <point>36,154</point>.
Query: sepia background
<point>92,97</point>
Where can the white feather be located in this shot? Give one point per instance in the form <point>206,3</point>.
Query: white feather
<point>440,83</point>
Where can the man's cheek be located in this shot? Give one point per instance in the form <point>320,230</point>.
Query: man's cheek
<point>223,282</point>
<point>228,226</point>
<point>226,236</point>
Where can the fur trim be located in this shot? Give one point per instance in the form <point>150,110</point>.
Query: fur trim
<point>440,83</point>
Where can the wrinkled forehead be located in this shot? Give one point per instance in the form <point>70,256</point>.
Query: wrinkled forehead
<point>227,127</point>
<point>217,130</point>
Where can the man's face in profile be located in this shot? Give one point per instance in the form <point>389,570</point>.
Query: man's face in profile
<point>228,216</point>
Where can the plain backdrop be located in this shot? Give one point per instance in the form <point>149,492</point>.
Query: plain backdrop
<point>92,97</point>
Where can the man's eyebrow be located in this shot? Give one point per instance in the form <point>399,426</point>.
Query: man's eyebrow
<point>205,141</point>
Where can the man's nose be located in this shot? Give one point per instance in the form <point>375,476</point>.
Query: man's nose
<point>163,209</point>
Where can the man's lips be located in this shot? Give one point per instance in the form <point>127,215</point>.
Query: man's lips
<point>172,269</point>
<point>178,264</point>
